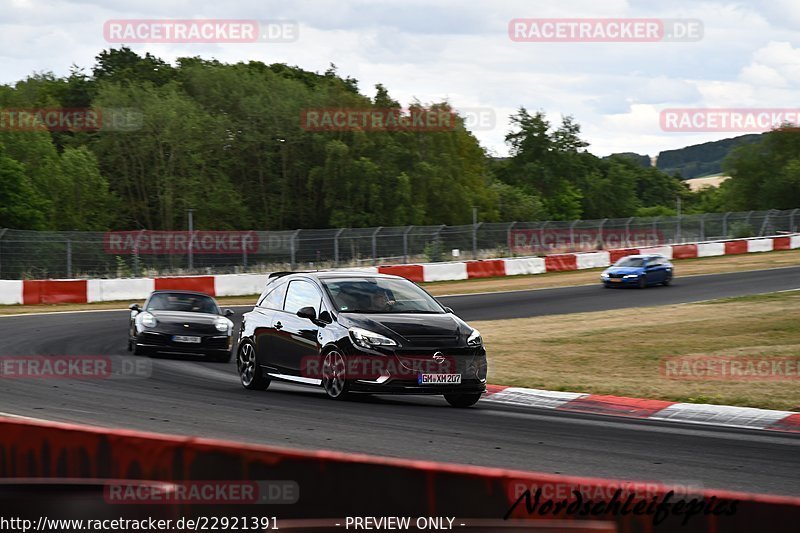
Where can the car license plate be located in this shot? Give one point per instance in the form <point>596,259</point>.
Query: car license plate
<point>439,379</point>
<point>186,338</point>
<point>615,280</point>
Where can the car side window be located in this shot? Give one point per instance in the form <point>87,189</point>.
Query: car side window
<point>301,294</point>
<point>274,299</point>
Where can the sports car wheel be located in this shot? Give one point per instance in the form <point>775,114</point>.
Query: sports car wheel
<point>334,375</point>
<point>463,400</point>
<point>642,283</point>
<point>251,376</point>
<point>667,281</point>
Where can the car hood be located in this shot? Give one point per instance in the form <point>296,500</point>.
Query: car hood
<point>411,326</point>
<point>174,317</point>
<point>624,270</point>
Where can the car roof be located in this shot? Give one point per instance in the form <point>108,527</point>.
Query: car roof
<point>334,274</point>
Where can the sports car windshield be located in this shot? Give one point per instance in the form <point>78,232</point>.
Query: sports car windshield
<point>376,295</point>
<point>630,262</point>
<point>186,303</point>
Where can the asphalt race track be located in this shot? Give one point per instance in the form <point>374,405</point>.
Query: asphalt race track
<point>194,397</point>
<point>520,304</point>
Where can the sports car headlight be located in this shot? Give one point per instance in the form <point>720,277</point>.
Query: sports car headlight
<point>369,339</point>
<point>474,338</point>
<point>629,276</point>
<point>223,325</point>
<point>148,320</point>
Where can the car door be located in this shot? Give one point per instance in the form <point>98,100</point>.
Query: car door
<point>655,270</point>
<point>262,321</point>
<point>297,338</point>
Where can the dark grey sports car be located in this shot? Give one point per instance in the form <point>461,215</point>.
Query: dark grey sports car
<point>181,322</point>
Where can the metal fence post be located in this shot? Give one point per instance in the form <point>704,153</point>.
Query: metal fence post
<point>336,247</point>
<point>764,224</point>
<point>405,243</point>
<point>375,245</point>
<point>791,220</point>
<point>725,224</point>
<point>509,231</point>
<point>293,248</point>
<point>703,226</point>
<point>628,232</point>
<point>2,232</point>
<point>572,235</point>
<point>69,258</point>
<point>600,234</point>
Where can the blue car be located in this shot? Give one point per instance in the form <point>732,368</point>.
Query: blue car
<point>638,271</point>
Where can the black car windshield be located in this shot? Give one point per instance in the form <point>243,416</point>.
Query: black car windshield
<point>379,295</point>
<point>182,302</point>
<point>630,262</point>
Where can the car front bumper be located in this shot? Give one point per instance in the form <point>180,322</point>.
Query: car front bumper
<point>162,342</point>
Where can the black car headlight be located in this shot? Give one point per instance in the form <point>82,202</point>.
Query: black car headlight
<point>475,338</point>
<point>369,339</point>
<point>148,320</point>
<point>223,325</point>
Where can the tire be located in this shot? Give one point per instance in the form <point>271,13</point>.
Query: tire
<point>667,282</point>
<point>642,284</point>
<point>462,400</point>
<point>130,345</point>
<point>249,373</point>
<point>334,376</point>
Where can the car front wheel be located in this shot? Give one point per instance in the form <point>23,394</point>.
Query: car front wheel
<point>463,399</point>
<point>642,283</point>
<point>249,373</point>
<point>334,375</point>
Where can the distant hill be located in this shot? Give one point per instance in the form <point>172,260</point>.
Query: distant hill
<point>701,159</point>
<point>697,160</point>
<point>641,160</point>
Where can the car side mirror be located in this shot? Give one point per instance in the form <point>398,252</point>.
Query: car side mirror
<point>325,317</point>
<point>228,312</point>
<point>307,312</point>
<point>449,310</point>
<point>134,307</point>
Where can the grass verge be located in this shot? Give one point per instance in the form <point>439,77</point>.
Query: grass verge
<point>620,352</point>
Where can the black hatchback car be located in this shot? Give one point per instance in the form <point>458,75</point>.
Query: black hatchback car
<point>355,332</point>
<point>181,322</point>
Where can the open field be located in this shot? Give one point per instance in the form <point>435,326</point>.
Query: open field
<point>620,352</point>
<point>684,267</point>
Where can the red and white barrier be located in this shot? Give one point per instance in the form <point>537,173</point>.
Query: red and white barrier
<point>327,482</point>
<point>31,292</point>
<point>716,415</point>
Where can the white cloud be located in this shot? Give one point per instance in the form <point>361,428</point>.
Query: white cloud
<point>460,51</point>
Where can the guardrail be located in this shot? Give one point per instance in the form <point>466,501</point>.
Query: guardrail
<point>32,292</point>
<point>144,253</point>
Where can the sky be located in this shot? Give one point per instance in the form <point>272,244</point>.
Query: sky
<point>460,51</point>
